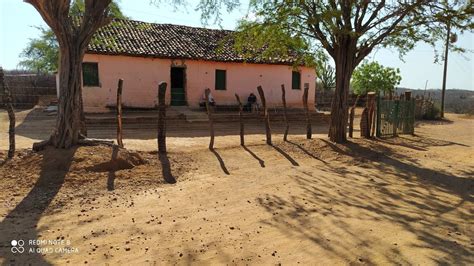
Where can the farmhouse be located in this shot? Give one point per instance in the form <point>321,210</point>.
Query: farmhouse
<point>190,60</point>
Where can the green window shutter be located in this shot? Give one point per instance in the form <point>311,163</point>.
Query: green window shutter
<point>296,80</point>
<point>90,74</point>
<point>220,79</point>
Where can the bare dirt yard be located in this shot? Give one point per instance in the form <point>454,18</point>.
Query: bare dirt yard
<point>405,200</point>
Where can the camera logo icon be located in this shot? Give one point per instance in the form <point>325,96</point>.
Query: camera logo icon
<point>17,246</point>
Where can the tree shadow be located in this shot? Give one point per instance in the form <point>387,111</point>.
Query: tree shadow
<point>260,161</point>
<point>306,151</point>
<point>286,155</point>
<point>221,162</point>
<point>390,189</point>
<point>418,143</point>
<point>111,174</point>
<point>166,168</point>
<point>21,223</point>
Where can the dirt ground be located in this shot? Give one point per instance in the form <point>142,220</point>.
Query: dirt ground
<point>406,200</point>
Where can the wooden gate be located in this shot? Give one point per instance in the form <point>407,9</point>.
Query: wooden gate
<point>395,117</point>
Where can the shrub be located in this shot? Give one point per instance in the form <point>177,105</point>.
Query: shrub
<point>432,112</point>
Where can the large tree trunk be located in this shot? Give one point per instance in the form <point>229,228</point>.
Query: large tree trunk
<point>73,39</point>
<point>68,122</point>
<point>345,63</point>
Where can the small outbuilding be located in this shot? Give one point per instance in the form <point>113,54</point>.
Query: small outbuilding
<point>189,59</point>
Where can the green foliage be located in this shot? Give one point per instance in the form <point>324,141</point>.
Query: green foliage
<point>78,8</point>
<point>323,25</point>
<point>432,112</point>
<point>42,54</point>
<point>373,77</point>
<point>326,75</point>
<point>271,41</point>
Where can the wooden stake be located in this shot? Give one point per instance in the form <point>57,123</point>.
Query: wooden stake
<point>285,115</point>
<point>351,122</point>
<point>371,106</point>
<point>161,117</point>
<point>267,117</point>
<point>351,117</point>
<point>119,113</point>
<point>306,109</point>
<point>241,120</point>
<point>11,115</point>
<point>209,115</point>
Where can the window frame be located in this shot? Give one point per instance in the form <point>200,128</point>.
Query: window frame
<point>293,81</point>
<point>87,83</point>
<point>216,85</point>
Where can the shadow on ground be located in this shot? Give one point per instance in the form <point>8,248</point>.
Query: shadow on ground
<point>22,221</point>
<point>432,202</point>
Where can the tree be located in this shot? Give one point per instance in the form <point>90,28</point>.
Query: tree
<point>73,38</point>
<point>42,54</point>
<point>325,74</point>
<point>448,21</point>
<point>373,77</point>
<point>348,31</point>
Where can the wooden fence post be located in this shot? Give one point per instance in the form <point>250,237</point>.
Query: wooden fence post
<point>161,117</point>
<point>209,115</point>
<point>371,100</point>
<point>287,125</point>
<point>267,117</point>
<point>11,115</point>
<point>351,117</point>
<point>119,113</point>
<point>306,109</point>
<point>241,120</point>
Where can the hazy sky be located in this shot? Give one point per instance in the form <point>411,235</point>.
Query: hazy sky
<point>17,21</point>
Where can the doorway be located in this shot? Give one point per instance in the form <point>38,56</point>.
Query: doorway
<point>178,94</point>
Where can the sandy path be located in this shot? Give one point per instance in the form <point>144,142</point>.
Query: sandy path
<point>402,201</point>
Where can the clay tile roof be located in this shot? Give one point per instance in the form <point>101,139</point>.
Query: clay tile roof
<point>136,38</point>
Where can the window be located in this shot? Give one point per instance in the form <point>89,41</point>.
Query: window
<point>90,74</point>
<point>220,79</point>
<point>296,80</point>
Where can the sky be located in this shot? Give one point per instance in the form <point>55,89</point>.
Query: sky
<point>18,21</point>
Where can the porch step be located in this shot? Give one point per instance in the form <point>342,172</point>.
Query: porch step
<point>186,115</point>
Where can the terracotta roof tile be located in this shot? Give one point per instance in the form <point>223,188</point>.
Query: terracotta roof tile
<point>135,38</point>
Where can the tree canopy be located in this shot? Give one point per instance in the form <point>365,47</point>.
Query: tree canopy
<point>42,54</point>
<point>373,77</point>
<point>347,31</point>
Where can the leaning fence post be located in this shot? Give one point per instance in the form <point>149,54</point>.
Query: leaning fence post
<point>209,115</point>
<point>241,120</point>
<point>119,113</point>
<point>266,115</point>
<point>371,100</point>
<point>161,118</point>
<point>283,99</point>
<point>11,115</point>
<point>306,109</point>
